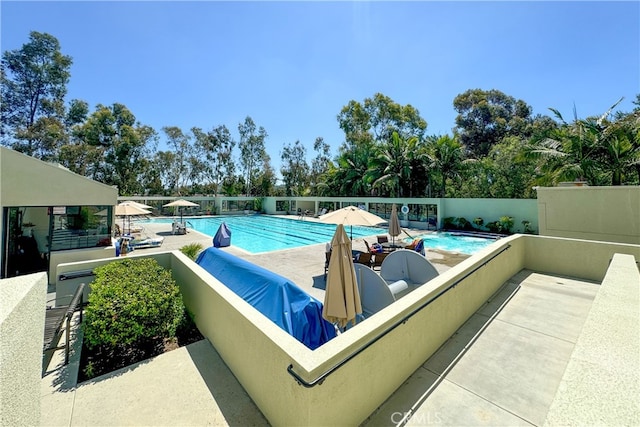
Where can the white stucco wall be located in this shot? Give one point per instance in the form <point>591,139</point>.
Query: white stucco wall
<point>22,305</point>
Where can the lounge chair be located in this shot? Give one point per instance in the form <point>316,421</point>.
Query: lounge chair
<point>178,228</point>
<point>375,292</point>
<point>146,242</point>
<point>409,266</point>
<point>321,212</point>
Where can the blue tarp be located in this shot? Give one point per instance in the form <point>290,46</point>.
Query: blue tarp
<point>222,237</point>
<point>275,296</point>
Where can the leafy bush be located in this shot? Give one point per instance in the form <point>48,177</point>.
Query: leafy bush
<point>505,223</point>
<point>478,222</point>
<point>450,223</point>
<point>527,227</point>
<point>192,250</point>
<point>493,226</point>
<point>132,300</point>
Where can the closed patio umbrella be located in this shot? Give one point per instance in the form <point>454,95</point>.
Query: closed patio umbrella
<point>180,203</point>
<point>351,215</point>
<point>341,299</point>
<point>394,224</point>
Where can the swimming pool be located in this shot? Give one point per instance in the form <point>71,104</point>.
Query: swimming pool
<point>262,233</point>
<point>455,243</point>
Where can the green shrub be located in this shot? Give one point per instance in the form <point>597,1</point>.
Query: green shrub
<point>192,250</point>
<point>131,301</point>
<point>450,223</point>
<point>493,226</point>
<point>505,223</point>
<point>478,222</point>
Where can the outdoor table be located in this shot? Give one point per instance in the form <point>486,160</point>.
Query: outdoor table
<point>390,247</point>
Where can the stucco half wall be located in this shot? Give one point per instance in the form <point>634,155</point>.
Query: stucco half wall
<point>22,302</point>
<point>260,354</point>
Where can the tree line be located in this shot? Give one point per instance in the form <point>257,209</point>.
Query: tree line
<point>497,148</point>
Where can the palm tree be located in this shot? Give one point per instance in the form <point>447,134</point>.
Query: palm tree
<point>390,168</point>
<point>590,149</point>
<point>446,153</point>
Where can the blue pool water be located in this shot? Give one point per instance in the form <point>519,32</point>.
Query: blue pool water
<point>261,233</point>
<point>455,243</point>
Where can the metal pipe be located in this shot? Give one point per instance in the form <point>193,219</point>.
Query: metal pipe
<point>337,366</point>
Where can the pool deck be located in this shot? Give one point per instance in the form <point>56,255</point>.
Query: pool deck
<point>502,367</point>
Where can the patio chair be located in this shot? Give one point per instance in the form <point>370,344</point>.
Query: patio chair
<point>412,245</point>
<point>377,260</point>
<point>327,258</point>
<point>320,213</point>
<point>382,239</point>
<point>364,258</point>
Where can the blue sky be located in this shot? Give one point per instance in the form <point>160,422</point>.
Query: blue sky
<point>292,66</point>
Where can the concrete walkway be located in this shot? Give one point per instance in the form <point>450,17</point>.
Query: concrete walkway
<point>503,367</point>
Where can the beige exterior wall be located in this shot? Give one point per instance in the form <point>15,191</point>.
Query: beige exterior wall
<point>22,302</point>
<point>26,181</point>
<point>594,213</point>
<point>29,182</point>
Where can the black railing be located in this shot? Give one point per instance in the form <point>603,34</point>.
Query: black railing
<point>344,361</point>
<point>76,275</point>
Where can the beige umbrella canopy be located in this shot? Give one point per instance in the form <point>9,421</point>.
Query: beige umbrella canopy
<point>180,203</point>
<point>126,210</point>
<point>352,215</point>
<point>137,204</point>
<point>341,299</point>
<point>394,224</point>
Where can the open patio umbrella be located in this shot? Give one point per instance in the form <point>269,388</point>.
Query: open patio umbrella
<point>352,215</point>
<point>394,224</point>
<point>341,299</point>
<point>137,204</point>
<point>180,203</point>
<point>126,210</point>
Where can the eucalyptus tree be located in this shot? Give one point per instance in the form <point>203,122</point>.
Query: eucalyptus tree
<point>216,148</point>
<point>294,169</point>
<point>377,118</point>
<point>123,145</point>
<point>265,180</point>
<point>320,167</point>
<point>180,144</point>
<point>485,117</point>
<point>33,84</point>
<point>252,151</point>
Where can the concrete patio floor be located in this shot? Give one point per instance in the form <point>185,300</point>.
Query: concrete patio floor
<point>502,367</point>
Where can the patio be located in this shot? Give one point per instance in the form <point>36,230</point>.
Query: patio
<point>508,364</point>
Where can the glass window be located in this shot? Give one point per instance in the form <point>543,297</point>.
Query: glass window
<point>76,227</point>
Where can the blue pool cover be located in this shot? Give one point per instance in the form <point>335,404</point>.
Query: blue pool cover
<point>275,296</point>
